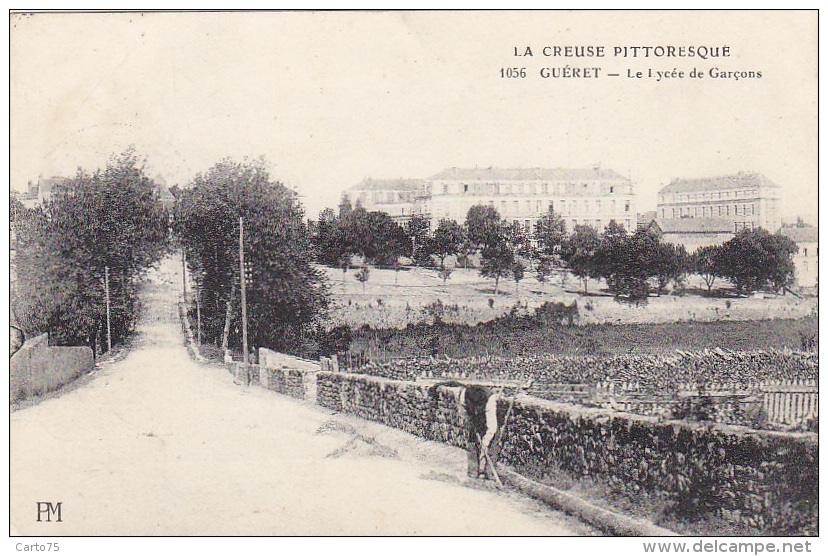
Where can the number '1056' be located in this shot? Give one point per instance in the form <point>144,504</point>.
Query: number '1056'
<point>512,73</point>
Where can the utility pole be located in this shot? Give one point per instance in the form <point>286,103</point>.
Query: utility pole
<point>108,329</point>
<point>184,272</point>
<point>243,280</point>
<point>198,307</point>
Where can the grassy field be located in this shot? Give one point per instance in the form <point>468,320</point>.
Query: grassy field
<point>400,309</point>
<point>397,299</point>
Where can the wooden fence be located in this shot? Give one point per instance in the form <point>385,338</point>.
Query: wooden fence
<point>790,402</point>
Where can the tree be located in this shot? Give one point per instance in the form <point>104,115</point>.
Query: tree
<point>754,259</point>
<point>498,259</point>
<point>543,268</point>
<point>287,293</point>
<point>518,239</point>
<point>386,239</point>
<point>518,273</point>
<point>110,218</point>
<point>362,276</point>
<point>668,262</point>
<point>550,234</point>
<point>327,239</point>
<point>611,257</point>
<point>417,230</point>
<point>706,262</point>
<point>579,251</point>
<point>631,266</point>
<point>483,226</point>
<point>447,240</point>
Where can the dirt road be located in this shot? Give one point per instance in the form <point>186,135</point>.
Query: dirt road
<point>158,444</point>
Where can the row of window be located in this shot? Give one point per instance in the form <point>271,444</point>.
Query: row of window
<point>709,196</point>
<point>598,224</point>
<point>705,211</point>
<point>555,188</point>
<point>562,207</point>
<point>387,197</point>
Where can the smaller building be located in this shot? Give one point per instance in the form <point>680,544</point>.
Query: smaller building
<point>40,191</point>
<point>399,198</point>
<point>806,261</point>
<point>695,232</point>
<point>746,200</point>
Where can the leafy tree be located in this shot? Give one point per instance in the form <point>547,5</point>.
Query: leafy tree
<point>445,273</point>
<point>327,239</point>
<point>417,231</point>
<point>109,218</point>
<point>498,259</point>
<point>611,257</point>
<point>754,259</point>
<point>447,240</point>
<point>550,233</point>
<point>483,226</point>
<point>579,252</point>
<point>543,268</point>
<point>631,266</point>
<point>518,272</point>
<point>362,276</point>
<point>668,262</point>
<point>518,239</point>
<point>287,293</point>
<point>386,239</point>
<point>706,262</point>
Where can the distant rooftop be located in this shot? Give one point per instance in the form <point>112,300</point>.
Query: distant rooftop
<point>802,235</point>
<point>400,184</point>
<point>518,174</point>
<point>716,183</point>
<point>707,225</point>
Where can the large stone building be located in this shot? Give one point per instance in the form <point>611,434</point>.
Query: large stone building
<point>591,196</point>
<point>744,200</point>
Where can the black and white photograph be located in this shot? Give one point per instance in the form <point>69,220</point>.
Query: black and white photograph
<point>415,273</point>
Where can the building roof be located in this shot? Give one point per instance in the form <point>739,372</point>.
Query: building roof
<point>708,225</point>
<point>735,181</point>
<point>802,235</point>
<point>646,217</point>
<point>526,174</point>
<point>399,184</point>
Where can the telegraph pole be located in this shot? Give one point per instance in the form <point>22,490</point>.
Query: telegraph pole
<point>108,329</point>
<point>184,272</point>
<point>198,307</point>
<point>243,280</point>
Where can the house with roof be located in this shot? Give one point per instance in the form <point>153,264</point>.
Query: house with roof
<point>693,233</point>
<point>806,261</point>
<point>399,198</point>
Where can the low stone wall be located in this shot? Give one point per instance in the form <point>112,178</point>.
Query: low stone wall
<point>764,480</point>
<point>38,368</point>
<point>731,479</point>
<point>430,412</point>
<point>290,382</point>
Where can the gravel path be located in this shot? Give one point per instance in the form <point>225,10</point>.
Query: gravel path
<point>158,444</point>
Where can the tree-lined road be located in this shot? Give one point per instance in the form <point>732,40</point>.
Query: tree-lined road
<point>158,444</point>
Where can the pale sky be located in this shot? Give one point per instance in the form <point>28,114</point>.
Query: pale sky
<point>331,98</point>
